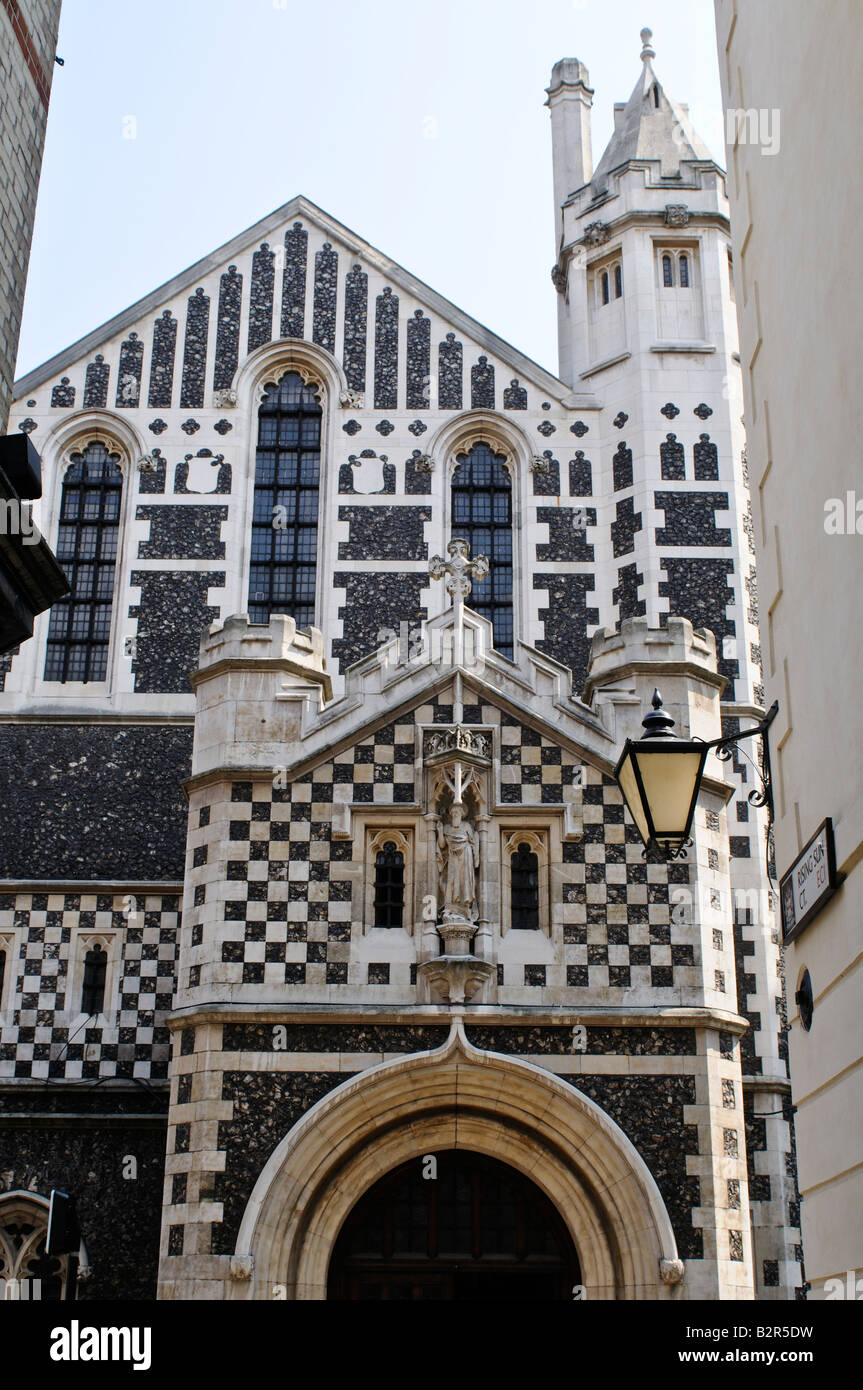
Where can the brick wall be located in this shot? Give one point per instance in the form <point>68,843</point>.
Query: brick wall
<point>28,42</point>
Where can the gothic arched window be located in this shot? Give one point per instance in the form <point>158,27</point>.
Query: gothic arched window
<point>24,1266</point>
<point>604,284</point>
<point>482,515</point>
<point>95,970</point>
<point>667,272</point>
<point>618,281</point>
<point>283,570</point>
<point>683,267</point>
<point>524,880</point>
<point>2,974</point>
<point>389,886</point>
<point>80,627</point>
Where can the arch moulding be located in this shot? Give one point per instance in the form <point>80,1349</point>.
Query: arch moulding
<point>74,432</point>
<point>459,435</point>
<point>456,1097</point>
<point>315,364</point>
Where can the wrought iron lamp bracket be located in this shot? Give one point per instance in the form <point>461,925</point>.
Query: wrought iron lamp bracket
<point>762,796</point>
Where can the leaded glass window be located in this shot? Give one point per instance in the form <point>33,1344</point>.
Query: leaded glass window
<point>482,515</point>
<point>524,877</point>
<point>95,971</point>
<point>80,629</point>
<point>283,572</point>
<point>389,886</point>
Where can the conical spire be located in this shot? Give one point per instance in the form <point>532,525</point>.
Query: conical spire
<point>650,125</point>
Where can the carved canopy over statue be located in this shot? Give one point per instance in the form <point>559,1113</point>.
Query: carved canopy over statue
<point>458,859</point>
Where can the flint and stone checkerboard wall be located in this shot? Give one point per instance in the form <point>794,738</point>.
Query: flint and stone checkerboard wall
<point>43,1032</point>
<point>272,878</point>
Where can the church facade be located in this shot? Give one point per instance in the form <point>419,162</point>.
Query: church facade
<point>332,966</point>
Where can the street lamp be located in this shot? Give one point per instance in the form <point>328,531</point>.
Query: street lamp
<point>660,778</point>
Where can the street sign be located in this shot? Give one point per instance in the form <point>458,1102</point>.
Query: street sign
<point>810,882</point>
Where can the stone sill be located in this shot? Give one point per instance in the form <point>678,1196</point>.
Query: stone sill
<point>683,347</point>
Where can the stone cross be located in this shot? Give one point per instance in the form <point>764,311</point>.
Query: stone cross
<point>459,571</point>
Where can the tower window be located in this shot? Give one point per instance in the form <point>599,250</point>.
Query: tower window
<point>524,877</point>
<point>656,95</point>
<point>283,572</point>
<point>730,273</point>
<point>80,627</point>
<point>677,267</point>
<point>604,286</point>
<point>482,515</point>
<point>95,969</point>
<point>389,886</point>
<point>618,281</point>
<point>2,974</point>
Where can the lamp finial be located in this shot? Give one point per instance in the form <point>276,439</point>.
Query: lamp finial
<point>660,723</point>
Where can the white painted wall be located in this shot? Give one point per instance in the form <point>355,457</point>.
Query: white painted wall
<point>796,222</point>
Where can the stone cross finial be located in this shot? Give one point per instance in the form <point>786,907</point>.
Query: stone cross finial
<point>459,569</point>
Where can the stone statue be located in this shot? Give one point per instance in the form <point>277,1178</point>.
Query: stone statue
<point>457,859</point>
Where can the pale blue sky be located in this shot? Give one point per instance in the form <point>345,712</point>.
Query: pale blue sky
<point>420,125</point>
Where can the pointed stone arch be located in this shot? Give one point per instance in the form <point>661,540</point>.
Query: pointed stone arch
<point>457,1097</point>
<point>23,1228</point>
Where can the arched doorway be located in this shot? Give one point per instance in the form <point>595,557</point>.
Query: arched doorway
<point>477,1231</point>
<point>454,1098</point>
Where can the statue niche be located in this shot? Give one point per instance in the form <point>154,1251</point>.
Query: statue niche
<point>456,975</point>
<point>457,862</point>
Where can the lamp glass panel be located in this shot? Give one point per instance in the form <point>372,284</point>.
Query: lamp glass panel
<point>669,779</point>
<point>629,787</point>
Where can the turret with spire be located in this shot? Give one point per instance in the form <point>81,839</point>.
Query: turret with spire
<point>648,344</point>
<point>653,159</point>
<point>650,126</point>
